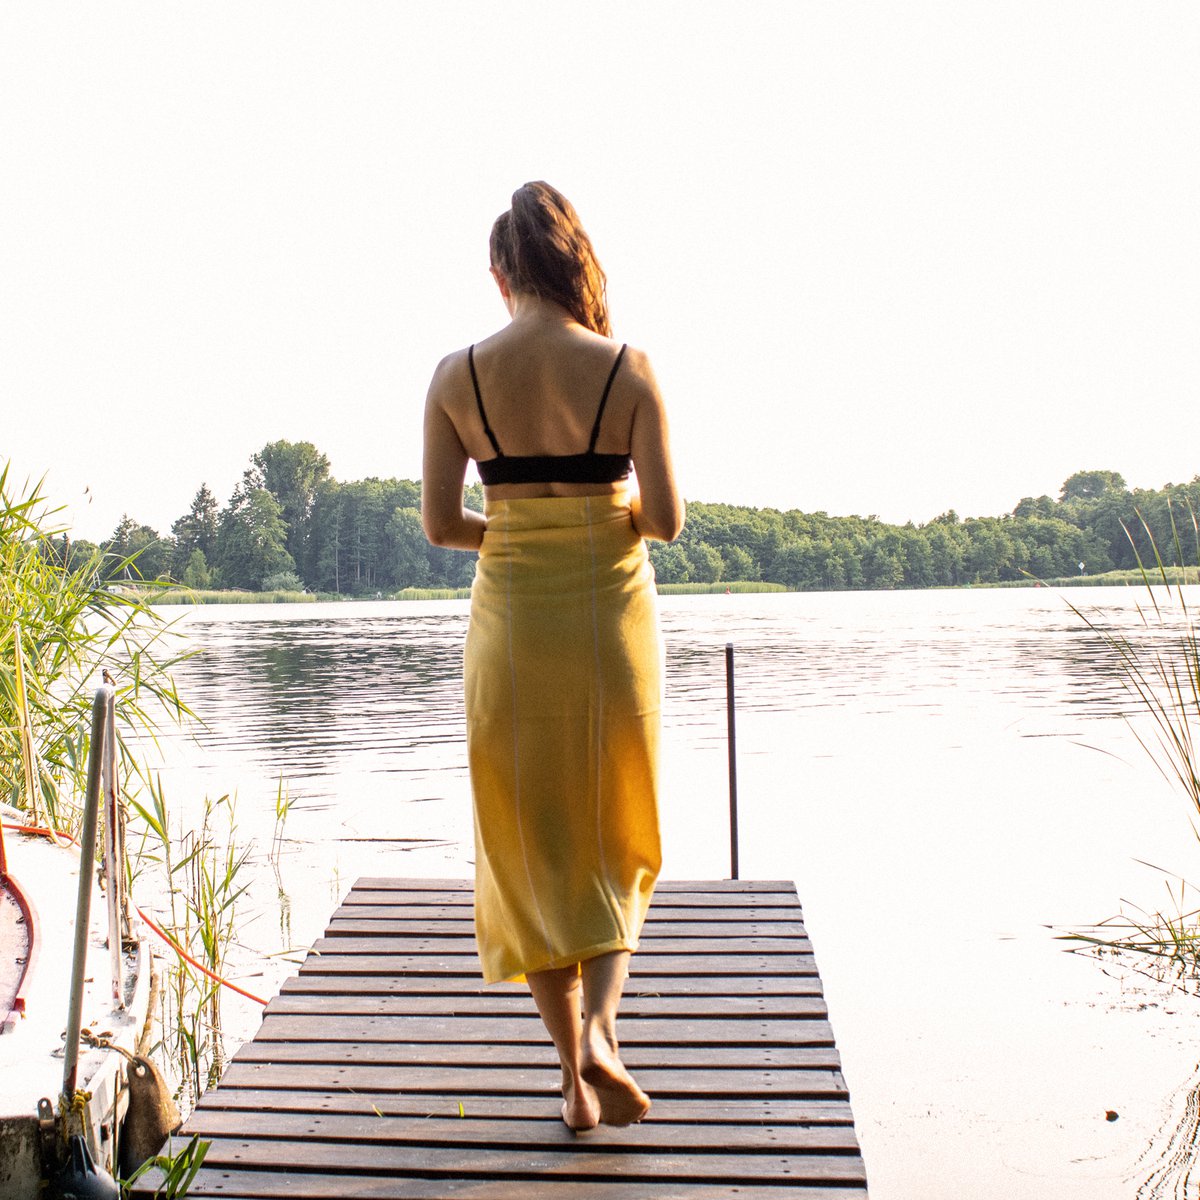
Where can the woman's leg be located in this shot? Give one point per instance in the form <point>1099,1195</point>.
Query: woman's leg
<point>621,1100</point>
<point>556,994</point>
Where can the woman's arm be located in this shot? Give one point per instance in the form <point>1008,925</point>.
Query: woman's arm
<point>446,521</point>
<point>658,510</point>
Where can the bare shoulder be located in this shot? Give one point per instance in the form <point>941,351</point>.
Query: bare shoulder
<point>637,376</point>
<point>451,378</point>
<point>449,368</point>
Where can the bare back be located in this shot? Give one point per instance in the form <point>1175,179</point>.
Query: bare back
<point>541,379</point>
<point>542,388</point>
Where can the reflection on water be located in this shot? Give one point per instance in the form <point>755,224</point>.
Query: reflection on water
<point>312,686</point>
<point>911,759</point>
<point>1169,1169</point>
<point>309,692</point>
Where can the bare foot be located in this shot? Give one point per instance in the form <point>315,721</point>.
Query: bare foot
<point>622,1102</point>
<point>580,1109</point>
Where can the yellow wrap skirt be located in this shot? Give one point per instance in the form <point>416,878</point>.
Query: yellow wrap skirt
<point>563,676</point>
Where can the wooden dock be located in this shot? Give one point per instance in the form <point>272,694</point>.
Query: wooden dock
<point>385,1068</point>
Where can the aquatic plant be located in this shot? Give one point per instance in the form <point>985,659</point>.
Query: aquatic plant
<point>201,868</point>
<point>283,806</point>
<point>61,625</point>
<point>176,1169</point>
<point>186,595</point>
<point>1160,668</point>
<point>715,589</point>
<point>431,593</point>
<point>1125,578</point>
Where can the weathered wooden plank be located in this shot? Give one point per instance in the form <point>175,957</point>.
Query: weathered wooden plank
<point>692,986</point>
<point>785,1084</point>
<point>381,942</point>
<point>722,1115</point>
<point>353,924</point>
<point>465,887</point>
<point>336,963</point>
<point>453,901</point>
<point>387,1069</point>
<point>538,1163</point>
<point>329,998</point>
<point>412,883</point>
<point>514,1133</point>
<point>664,911</point>
<point>529,1030</point>
<point>504,1056</point>
<point>235,1184</point>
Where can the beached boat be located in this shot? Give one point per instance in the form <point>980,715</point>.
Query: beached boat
<point>69,961</point>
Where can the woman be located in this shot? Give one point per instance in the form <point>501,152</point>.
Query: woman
<point>562,660</point>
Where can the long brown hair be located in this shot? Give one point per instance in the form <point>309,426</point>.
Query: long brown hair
<point>539,246</point>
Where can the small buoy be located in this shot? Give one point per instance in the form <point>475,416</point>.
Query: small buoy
<point>79,1178</point>
<point>1111,1116</point>
<point>151,1119</point>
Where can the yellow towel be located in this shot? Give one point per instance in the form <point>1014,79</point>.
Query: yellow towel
<point>563,677</point>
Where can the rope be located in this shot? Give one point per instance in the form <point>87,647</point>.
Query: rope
<point>103,1042</point>
<point>166,937</point>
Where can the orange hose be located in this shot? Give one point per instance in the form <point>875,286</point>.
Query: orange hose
<point>166,937</point>
<point>44,831</point>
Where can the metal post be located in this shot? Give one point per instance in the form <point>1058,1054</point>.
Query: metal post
<point>732,729</point>
<point>102,713</point>
<point>114,861</point>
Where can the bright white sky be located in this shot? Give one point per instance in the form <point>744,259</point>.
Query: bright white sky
<point>888,258</point>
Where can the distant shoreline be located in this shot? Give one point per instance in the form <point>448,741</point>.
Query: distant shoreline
<point>190,596</point>
<point>198,596</point>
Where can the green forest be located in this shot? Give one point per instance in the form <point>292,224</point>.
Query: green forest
<point>290,526</point>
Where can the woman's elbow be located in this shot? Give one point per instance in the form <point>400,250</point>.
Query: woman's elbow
<point>672,529</point>
<point>661,525</point>
<point>462,530</point>
<point>437,529</point>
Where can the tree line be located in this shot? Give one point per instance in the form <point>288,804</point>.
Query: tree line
<point>290,526</point>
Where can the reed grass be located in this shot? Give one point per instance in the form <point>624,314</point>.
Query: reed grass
<point>201,872</point>
<point>184,595</point>
<point>1171,575</point>
<point>61,627</point>
<point>175,1170</point>
<point>1161,672</point>
<point>1161,944</point>
<point>181,595</point>
<point>172,594</point>
<point>714,589</point>
<point>416,593</point>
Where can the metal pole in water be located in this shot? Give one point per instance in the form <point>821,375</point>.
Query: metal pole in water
<point>114,861</point>
<point>732,729</point>
<point>102,713</point>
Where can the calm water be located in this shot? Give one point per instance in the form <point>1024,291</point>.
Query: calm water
<point>943,774</point>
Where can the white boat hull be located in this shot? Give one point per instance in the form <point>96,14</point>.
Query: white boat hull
<point>31,1046</point>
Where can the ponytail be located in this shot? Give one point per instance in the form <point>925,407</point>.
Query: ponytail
<point>540,246</point>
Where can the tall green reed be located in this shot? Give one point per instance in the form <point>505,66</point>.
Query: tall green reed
<point>62,625</point>
<point>174,1170</point>
<point>1160,668</point>
<point>200,871</point>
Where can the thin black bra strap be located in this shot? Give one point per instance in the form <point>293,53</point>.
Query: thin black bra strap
<point>479,401</point>
<point>604,400</point>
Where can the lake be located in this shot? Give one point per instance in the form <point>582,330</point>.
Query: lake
<point>949,778</point>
